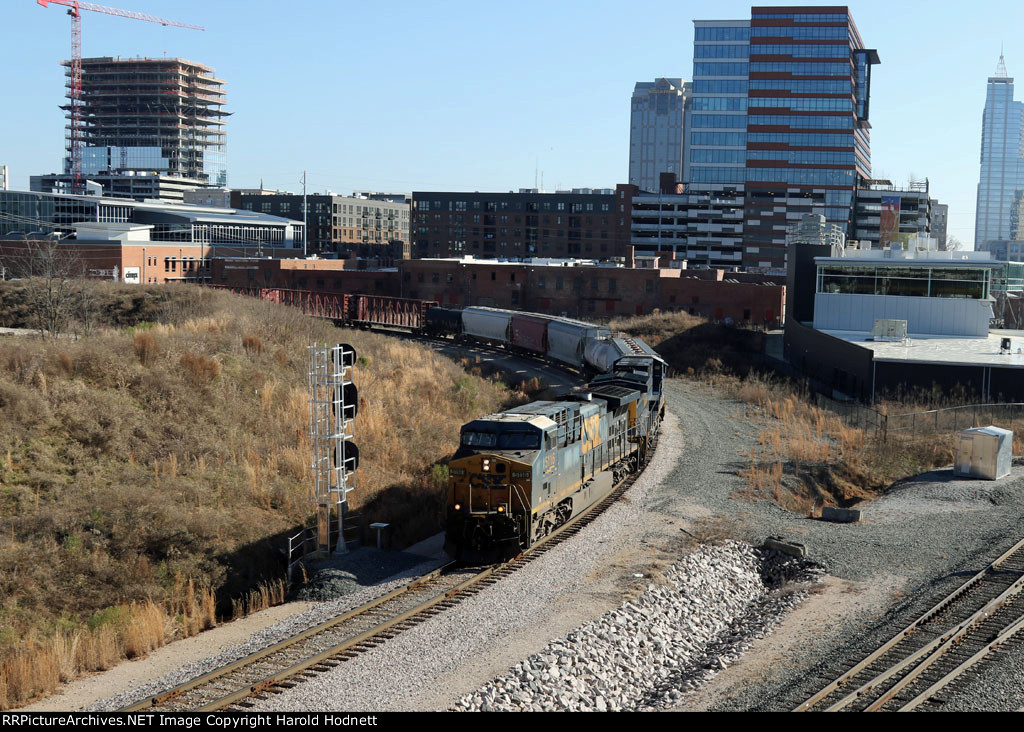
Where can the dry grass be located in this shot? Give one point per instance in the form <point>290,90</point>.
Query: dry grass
<point>808,457</point>
<point>37,666</point>
<point>267,595</point>
<point>142,463</point>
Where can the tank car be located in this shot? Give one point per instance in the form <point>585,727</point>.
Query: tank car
<point>443,322</point>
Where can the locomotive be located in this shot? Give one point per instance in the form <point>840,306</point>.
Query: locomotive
<point>520,475</point>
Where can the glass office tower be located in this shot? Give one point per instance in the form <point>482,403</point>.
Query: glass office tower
<point>656,129</point>
<point>718,110</point>
<point>780,106</point>
<point>1002,167</point>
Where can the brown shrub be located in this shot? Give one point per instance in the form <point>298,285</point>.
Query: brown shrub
<point>66,364</point>
<point>146,348</point>
<point>200,369</point>
<point>253,345</point>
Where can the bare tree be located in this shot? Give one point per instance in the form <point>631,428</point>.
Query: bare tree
<point>50,270</point>
<point>953,244</point>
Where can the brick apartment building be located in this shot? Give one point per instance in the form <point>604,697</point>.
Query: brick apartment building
<point>579,223</point>
<point>373,224</point>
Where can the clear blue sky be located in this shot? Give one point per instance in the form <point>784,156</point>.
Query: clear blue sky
<point>452,95</point>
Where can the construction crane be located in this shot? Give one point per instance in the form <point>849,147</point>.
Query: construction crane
<point>75,8</point>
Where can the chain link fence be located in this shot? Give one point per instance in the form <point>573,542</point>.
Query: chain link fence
<point>946,420</point>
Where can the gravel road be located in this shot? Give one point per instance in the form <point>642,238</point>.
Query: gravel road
<point>922,539</point>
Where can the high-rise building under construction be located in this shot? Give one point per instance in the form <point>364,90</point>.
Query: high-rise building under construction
<point>149,128</point>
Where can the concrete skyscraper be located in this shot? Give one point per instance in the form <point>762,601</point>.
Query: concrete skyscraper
<point>1002,166</point>
<point>656,131</point>
<point>151,128</point>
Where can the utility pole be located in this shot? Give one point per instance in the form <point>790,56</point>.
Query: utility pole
<point>305,217</point>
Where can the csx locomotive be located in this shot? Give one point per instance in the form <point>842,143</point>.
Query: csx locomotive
<point>519,475</point>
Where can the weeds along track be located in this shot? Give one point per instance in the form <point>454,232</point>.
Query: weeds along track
<point>921,665</point>
<point>330,644</point>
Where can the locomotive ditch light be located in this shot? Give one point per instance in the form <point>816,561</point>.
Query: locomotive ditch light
<point>501,509</point>
<point>458,506</point>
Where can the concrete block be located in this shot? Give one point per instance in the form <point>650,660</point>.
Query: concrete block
<point>840,515</point>
<point>779,544</point>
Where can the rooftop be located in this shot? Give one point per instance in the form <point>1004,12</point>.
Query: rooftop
<point>944,350</point>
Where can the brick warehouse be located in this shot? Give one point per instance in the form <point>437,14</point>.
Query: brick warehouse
<point>145,263</point>
<point>584,290</point>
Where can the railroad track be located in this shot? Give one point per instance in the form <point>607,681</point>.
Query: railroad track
<point>325,646</point>
<point>919,666</point>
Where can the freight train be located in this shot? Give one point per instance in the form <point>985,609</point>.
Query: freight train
<point>520,475</point>
<point>585,347</point>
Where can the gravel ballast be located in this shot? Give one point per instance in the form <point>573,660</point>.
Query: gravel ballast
<point>648,652</point>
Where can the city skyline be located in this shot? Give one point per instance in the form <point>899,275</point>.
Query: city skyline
<point>480,104</point>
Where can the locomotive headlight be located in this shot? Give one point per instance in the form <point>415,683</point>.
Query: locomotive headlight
<point>487,465</point>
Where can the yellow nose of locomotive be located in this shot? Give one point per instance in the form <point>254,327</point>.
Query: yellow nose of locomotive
<point>481,484</point>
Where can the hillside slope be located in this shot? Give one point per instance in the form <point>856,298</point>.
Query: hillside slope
<point>150,469</point>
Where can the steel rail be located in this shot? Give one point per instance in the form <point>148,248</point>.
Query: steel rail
<point>383,630</point>
<point>319,658</point>
<point>905,633</point>
<point>927,655</point>
<point>177,691</point>
<point>910,629</point>
<point>1002,637</point>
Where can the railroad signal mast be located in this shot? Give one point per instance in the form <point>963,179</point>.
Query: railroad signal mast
<point>333,405</point>
<point>75,8</point>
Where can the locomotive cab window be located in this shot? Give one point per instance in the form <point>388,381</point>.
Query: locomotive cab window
<point>519,441</point>
<point>479,439</point>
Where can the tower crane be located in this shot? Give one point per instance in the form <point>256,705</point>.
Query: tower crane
<point>75,8</point>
